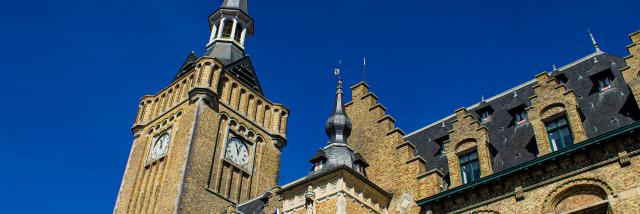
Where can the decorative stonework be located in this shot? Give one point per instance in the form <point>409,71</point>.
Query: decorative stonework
<point>576,193</point>
<point>519,193</point>
<point>467,134</point>
<point>631,73</point>
<point>340,189</point>
<point>484,212</point>
<point>553,100</point>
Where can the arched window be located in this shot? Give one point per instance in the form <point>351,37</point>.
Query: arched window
<point>228,26</point>
<point>238,33</point>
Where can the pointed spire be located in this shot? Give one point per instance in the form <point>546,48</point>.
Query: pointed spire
<point>241,5</point>
<point>338,126</point>
<point>595,43</point>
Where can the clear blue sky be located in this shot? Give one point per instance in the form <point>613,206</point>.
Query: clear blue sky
<point>74,70</point>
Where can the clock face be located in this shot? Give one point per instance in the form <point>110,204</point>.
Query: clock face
<point>160,147</point>
<point>237,151</point>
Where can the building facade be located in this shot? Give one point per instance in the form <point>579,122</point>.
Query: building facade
<point>566,141</point>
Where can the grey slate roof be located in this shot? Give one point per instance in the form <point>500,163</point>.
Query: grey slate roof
<point>188,63</point>
<point>338,128</point>
<point>236,4</point>
<point>256,205</point>
<point>512,144</point>
<point>243,70</point>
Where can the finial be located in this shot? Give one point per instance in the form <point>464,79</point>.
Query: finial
<point>554,67</point>
<point>338,126</point>
<point>482,97</point>
<point>595,43</point>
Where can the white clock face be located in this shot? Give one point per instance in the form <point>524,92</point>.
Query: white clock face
<point>237,151</point>
<point>160,147</point>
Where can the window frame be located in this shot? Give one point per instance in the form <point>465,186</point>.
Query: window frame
<point>604,83</point>
<point>521,117</point>
<point>471,160</point>
<point>557,129</point>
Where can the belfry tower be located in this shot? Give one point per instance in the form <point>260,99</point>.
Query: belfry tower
<point>210,139</point>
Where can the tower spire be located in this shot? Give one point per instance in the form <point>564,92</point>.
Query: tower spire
<point>241,5</point>
<point>595,43</point>
<point>338,126</point>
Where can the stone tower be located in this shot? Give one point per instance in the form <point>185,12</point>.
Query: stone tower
<point>211,138</point>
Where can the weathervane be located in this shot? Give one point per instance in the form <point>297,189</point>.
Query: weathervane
<point>336,71</point>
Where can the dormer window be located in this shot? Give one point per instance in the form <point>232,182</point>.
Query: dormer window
<point>317,165</point>
<point>519,115</point>
<point>358,167</point>
<point>561,79</point>
<point>602,81</point>
<point>441,143</point>
<point>485,113</point>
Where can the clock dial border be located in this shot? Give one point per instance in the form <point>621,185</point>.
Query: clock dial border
<point>151,157</point>
<point>248,145</point>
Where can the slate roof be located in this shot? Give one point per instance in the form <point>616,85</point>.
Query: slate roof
<point>244,71</point>
<point>241,5</point>
<point>189,62</point>
<point>338,127</point>
<point>256,205</point>
<point>512,144</point>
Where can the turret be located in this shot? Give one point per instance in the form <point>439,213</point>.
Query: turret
<point>230,26</point>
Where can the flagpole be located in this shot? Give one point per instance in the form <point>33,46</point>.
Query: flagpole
<point>365,69</point>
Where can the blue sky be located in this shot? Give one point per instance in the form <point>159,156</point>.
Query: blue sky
<point>74,70</point>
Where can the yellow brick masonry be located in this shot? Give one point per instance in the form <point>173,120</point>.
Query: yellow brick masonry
<point>394,165</point>
<point>467,135</point>
<point>553,100</point>
<point>199,110</point>
<point>631,73</point>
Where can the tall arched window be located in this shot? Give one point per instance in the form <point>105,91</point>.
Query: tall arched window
<point>238,33</point>
<point>228,26</point>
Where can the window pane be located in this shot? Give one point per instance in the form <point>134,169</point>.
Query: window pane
<point>562,121</point>
<point>463,172</point>
<point>473,156</point>
<point>566,136</point>
<point>551,125</point>
<point>464,159</point>
<point>554,140</point>
<point>476,171</point>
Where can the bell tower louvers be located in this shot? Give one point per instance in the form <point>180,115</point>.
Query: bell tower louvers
<point>230,26</point>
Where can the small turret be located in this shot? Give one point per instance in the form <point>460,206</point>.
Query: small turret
<point>338,152</point>
<point>230,26</point>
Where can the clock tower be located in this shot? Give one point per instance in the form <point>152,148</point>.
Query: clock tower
<point>211,138</point>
